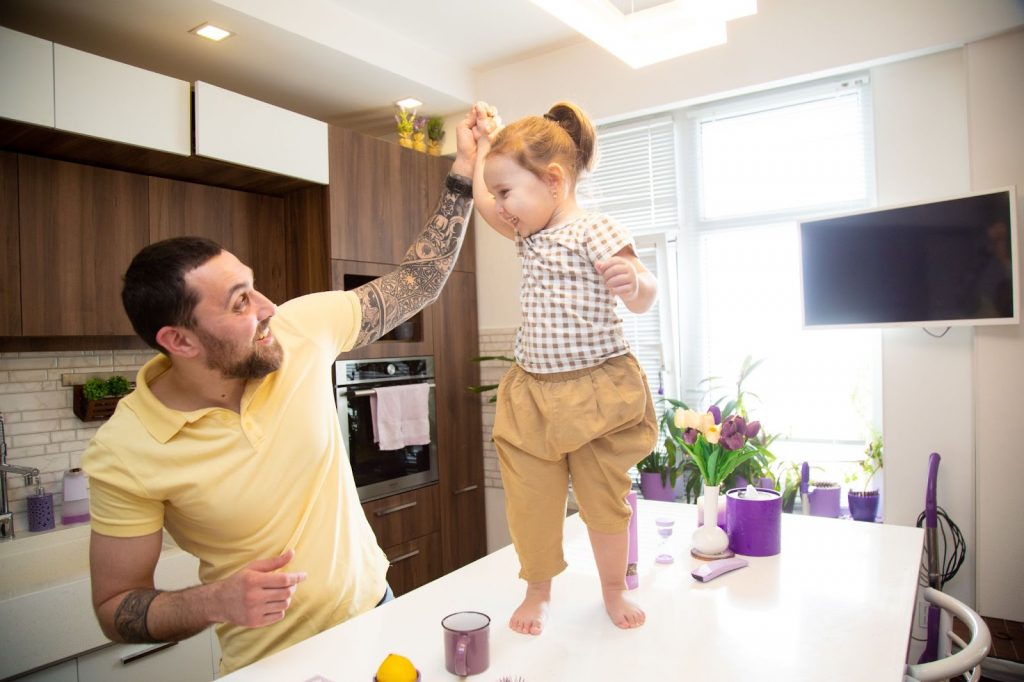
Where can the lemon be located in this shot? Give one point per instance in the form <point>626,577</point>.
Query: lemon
<point>396,668</point>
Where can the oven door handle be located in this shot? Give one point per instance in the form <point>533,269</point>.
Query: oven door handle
<point>363,392</point>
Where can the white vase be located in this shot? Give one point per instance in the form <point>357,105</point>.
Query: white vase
<point>709,538</point>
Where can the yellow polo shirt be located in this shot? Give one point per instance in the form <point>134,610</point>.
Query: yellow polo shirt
<point>233,488</point>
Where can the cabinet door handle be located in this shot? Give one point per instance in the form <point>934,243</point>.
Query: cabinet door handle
<point>468,488</point>
<point>392,510</point>
<point>404,557</point>
<point>131,658</point>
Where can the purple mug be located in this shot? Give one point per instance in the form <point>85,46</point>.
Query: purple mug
<point>466,643</point>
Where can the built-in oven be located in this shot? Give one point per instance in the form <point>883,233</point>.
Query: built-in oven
<point>377,472</point>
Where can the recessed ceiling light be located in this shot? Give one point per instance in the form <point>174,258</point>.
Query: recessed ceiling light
<point>409,103</point>
<point>214,33</point>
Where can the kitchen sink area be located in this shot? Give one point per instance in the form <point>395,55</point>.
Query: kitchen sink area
<point>45,596</point>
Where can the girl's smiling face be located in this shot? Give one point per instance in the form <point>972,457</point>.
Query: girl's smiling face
<point>523,200</point>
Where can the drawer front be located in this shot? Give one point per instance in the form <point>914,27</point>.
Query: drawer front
<point>191,659</point>
<point>414,563</point>
<point>404,517</point>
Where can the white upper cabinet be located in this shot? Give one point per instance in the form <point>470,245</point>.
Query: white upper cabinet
<point>114,101</point>
<point>26,78</point>
<point>238,129</point>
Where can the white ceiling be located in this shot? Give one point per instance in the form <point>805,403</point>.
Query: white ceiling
<point>342,61</point>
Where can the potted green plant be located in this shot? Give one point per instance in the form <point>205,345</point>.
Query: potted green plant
<point>97,398</point>
<point>487,388</point>
<point>660,471</point>
<point>419,133</point>
<point>435,135</point>
<point>758,469</point>
<point>404,119</point>
<point>864,502</point>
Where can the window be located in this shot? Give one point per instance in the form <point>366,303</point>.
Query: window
<point>757,166</point>
<point>635,182</point>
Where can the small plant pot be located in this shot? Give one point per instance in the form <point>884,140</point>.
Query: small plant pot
<point>863,505</point>
<point>92,410</point>
<point>652,488</point>
<point>824,501</point>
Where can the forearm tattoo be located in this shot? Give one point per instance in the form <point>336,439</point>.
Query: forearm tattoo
<point>397,296</point>
<point>130,617</point>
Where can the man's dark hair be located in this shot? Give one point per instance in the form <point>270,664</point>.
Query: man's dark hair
<point>155,294</point>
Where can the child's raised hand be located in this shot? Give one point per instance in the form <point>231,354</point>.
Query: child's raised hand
<point>620,277</point>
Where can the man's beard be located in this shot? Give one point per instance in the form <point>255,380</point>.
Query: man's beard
<point>258,363</point>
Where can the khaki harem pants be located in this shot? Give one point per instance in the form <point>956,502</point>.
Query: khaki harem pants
<point>591,424</point>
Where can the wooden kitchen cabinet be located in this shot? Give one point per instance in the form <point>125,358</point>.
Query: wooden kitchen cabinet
<point>10,251</point>
<point>410,339</point>
<point>249,225</point>
<point>407,528</point>
<point>80,226</point>
<point>460,450</point>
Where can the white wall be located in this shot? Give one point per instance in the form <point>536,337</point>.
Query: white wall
<point>947,121</point>
<point>995,120</point>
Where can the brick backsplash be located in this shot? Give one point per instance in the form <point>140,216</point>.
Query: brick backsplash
<point>42,430</point>
<point>493,342</point>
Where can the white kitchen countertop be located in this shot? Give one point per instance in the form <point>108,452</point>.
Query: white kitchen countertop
<point>836,604</point>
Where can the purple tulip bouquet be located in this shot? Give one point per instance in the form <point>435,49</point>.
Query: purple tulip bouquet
<point>716,447</point>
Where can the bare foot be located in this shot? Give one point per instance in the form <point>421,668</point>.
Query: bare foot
<point>624,612</point>
<point>529,618</point>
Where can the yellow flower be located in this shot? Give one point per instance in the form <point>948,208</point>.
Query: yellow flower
<point>712,432</point>
<point>707,422</point>
<point>686,419</point>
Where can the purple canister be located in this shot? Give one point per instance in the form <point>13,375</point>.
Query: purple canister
<point>754,521</point>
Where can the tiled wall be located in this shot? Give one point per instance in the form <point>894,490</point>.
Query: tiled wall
<point>42,431</point>
<point>493,342</point>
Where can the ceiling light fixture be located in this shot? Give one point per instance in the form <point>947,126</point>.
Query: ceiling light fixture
<point>409,103</point>
<point>211,32</point>
<point>659,32</point>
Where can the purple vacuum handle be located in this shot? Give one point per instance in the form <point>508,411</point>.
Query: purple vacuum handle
<point>805,475</point>
<point>931,519</point>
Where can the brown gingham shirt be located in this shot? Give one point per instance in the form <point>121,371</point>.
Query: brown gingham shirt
<point>569,319</point>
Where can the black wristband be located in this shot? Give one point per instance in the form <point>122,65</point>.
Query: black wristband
<point>459,184</point>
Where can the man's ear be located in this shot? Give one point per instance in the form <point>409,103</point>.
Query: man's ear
<point>178,341</point>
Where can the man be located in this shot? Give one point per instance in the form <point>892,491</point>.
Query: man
<point>231,441</point>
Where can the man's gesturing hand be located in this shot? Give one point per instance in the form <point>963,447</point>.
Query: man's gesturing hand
<point>256,595</point>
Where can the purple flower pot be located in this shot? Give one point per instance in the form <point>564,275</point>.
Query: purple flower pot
<point>824,502</point>
<point>863,507</point>
<point>754,525</point>
<point>652,488</point>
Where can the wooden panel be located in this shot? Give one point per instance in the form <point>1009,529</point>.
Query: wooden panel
<point>80,228</point>
<point>437,171</point>
<point>400,518</point>
<point>377,201</point>
<point>308,236</point>
<point>58,144</point>
<point>421,342</point>
<point>459,428</point>
<point>10,268</point>
<point>414,563</point>
<point>249,225</point>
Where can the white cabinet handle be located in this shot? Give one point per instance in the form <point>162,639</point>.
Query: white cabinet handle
<point>131,658</point>
<point>392,510</point>
<point>404,557</point>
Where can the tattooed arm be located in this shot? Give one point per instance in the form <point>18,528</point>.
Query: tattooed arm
<point>130,609</point>
<point>389,300</point>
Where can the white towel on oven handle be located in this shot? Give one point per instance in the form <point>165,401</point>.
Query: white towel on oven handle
<point>400,415</point>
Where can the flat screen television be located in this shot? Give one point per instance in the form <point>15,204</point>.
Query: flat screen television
<point>943,263</point>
